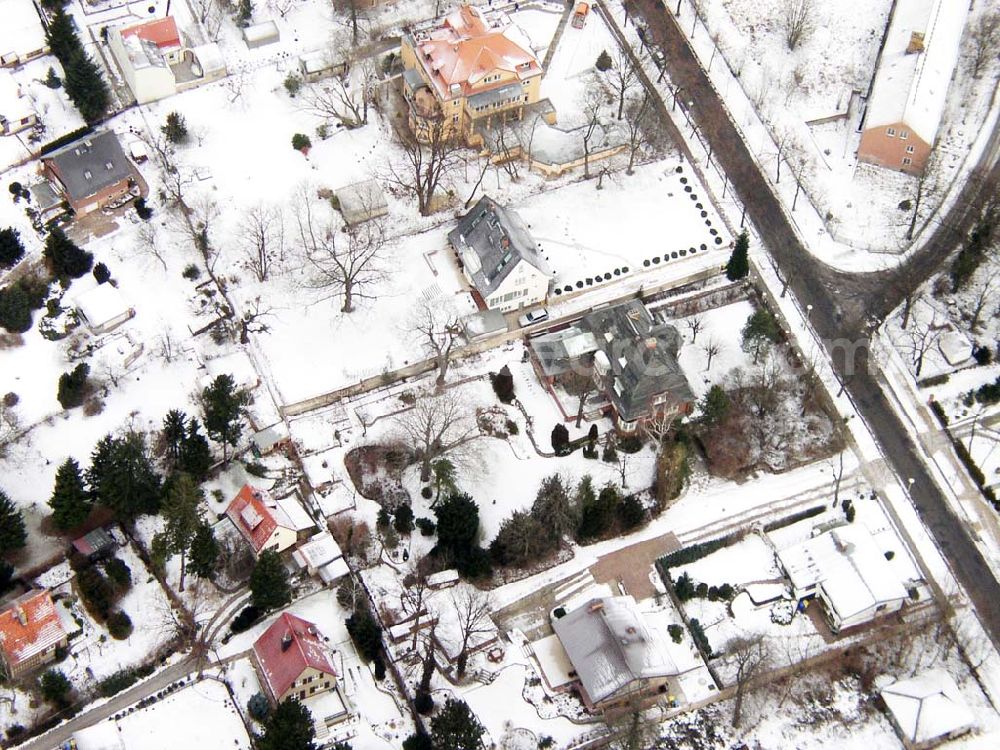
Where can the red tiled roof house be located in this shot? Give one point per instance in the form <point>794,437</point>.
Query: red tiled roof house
<point>30,633</point>
<point>292,661</point>
<point>261,521</point>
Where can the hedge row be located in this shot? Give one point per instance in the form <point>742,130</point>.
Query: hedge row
<point>802,515</point>
<point>697,551</point>
<point>122,680</point>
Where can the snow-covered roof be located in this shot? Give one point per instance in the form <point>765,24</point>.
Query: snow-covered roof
<point>265,31</point>
<point>264,440</point>
<point>484,323</point>
<point>290,513</point>
<point>89,165</point>
<point>237,364</point>
<point>610,645</point>
<point>552,658</point>
<point>209,57</point>
<point>14,107</point>
<point>29,625</point>
<point>362,201</point>
<point>101,305</point>
<point>21,32</point>
<point>928,706</point>
<point>846,562</point>
<point>911,88</point>
<point>286,649</point>
<point>444,578</point>
<point>491,241</point>
<point>955,346</point>
<point>318,551</point>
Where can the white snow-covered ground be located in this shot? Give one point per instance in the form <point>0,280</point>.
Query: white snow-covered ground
<point>201,715</point>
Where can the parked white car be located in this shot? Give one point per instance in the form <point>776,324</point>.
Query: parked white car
<point>535,316</point>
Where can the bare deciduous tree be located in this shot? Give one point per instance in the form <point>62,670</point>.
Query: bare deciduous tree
<point>263,239</point>
<point>439,328</point>
<point>750,657</point>
<point>345,99</point>
<point>694,324</point>
<point>659,424</point>
<point>798,19</point>
<point>921,336</point>
<point>623,77</point>
<point>425,163</point>
<point>252,320</point>
<point>344,262</point>
<point>9,424</point>
<point>437,425</point>
<point>640,125</point>
<point>472,610</point>
<point>712,348</point>
<point>592,106</point>
<point>984,39</point>
<point>578,382</point>
<point>983,293</point>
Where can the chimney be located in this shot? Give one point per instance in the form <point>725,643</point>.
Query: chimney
<point>596,607</point>
<point>650,343</point>
<point>916,43</point>
<point>286,641</point>
<point>21,616</point>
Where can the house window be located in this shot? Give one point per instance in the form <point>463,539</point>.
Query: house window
<point>891,132</point>
<point>302,694</point>
<point>904,134</point>
<point>454,118</point>
<point>326,684</point>
<point>909,149</point>
<point>907,161</point>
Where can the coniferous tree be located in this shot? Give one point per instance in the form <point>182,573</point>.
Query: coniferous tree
<point>86,87</point>
<point>739,263</point>
<point>604,61</point>
<point>289,727</point>
<point>12,531</point>
<point>173,432</point>
<point>560,439</point>
<point>554,509</point>
<point>196,455</point>
<point>11,248</point>
<point>456,728</point>
<point>73,386</point>
<point>269,587</point>
<point>121,476</point>
<point>204,552</point>
<point>64,256</point>
<point>61,36</point>
<point>244,13</point>
<point>175,130</point>
<point>182,515</point>
<point>102,274</point>
<point>457,523</point>
<point>223,403</point>
<point>70,501</point>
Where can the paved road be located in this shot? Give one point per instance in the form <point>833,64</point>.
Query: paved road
<point>843,316</point>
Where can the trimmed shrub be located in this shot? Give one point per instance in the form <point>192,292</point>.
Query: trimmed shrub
<point>119,625</point>
<point>245,619</point>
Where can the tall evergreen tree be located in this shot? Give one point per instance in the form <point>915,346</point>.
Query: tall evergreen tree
<point>739,263</point>
<point>456,728</point>
<point>204,552</point>
<point>124,480</point>
<point>175,129</point>
<point>223,403</point>
<point>100,463</point>
<point>554,509</point>
<point>289,727</point>
<point>61,36</point>
<point>12,531</point>
<point>11,248</point>
<point>269,587</point>
<point>183,517</point>
<point>70,501</point>
<point>196,455</point>
<point>86,87</point>
<point>65,257</point>
<point>173,433</point>
<point>457,524</point>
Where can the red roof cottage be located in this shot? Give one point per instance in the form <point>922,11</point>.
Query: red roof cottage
<point>292,661</point>
<point>30,633</point>
<point>261,521</point>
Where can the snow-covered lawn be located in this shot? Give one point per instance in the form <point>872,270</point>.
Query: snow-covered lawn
<point>722,326</point>
<point>201,715</point>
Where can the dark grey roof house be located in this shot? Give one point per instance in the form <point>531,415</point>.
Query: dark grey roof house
<point>91,171</point>
<point>499,256</point>
<point>633,357</point>
<point>637,359</point>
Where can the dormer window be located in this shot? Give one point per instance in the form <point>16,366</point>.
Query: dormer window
<point>87,175</point>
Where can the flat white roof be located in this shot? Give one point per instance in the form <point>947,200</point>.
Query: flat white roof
<point>912,88</point>
<point>293,511</point>
<point>318,551</point>
<point>927,706</point>
<point>553,660</point>
<point>101,305</point>
<point>209,57</point>
<point>260,32</point>
<point>21,31</point>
